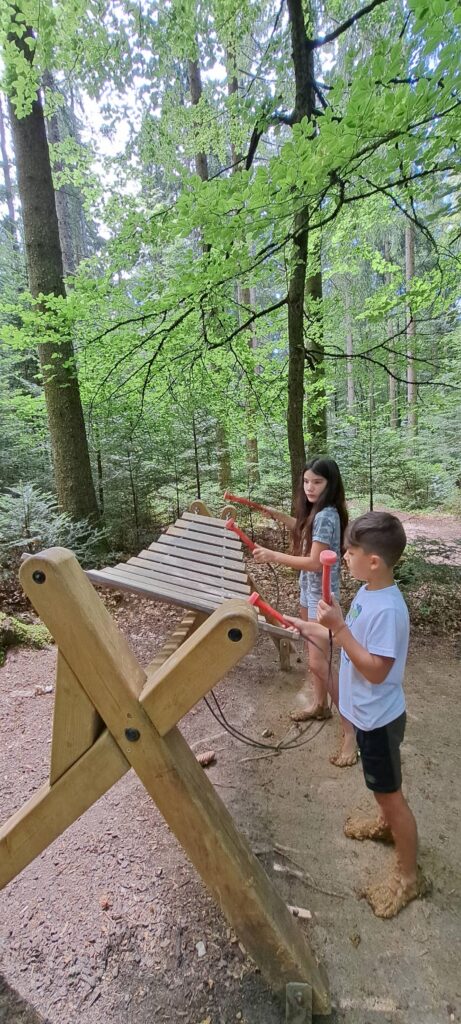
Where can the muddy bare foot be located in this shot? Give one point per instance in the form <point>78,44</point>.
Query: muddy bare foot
<point>391,895</point>
<point>318,711</point>
<point>358,827</point>
<point>346,756</point>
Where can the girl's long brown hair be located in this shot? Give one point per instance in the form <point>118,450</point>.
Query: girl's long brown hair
<point>306,511</point>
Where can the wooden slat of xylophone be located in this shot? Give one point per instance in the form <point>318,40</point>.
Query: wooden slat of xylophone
<point>213,534</point>
<point>211,541</point>
<point>163,557</point>
<point>178,583</point>
<point>180,541</point>
<point>208,520</point>
<point>173,574</point>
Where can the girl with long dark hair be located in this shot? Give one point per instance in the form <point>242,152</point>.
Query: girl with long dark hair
<point>320,522</point>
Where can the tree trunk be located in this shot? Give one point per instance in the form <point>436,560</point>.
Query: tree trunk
<point>316,416</point>
<point>349,355</point>
<point>393,393</point>
<point>201,167</point>
<point>246,300</point>
<point>9,195</point>
<point>74,483</point>
<point>411,328</point>
<point>303,64</point>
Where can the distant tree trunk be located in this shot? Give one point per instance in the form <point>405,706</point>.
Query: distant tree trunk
<point>9,194</point>
<point>349,354</point>
<point>74,483</point>
<point>316,417</point>
<point>224,462</point>
<point>393,392</point>
<point>411,328</point>
<point>195,86</point>
<point>300,284</point>
<point>246,300</point>
<point>196,458</point>
<point>201,167</point>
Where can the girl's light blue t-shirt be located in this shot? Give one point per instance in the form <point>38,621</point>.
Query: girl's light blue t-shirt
<point>326,529</point>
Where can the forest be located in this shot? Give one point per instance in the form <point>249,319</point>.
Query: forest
<point>229,240</point>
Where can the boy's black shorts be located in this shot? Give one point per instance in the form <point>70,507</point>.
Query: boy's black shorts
<point>380,753</point>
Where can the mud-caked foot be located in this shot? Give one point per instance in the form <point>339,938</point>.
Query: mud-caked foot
<point>359,827</point>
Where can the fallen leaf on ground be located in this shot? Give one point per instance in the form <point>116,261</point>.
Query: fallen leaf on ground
<point>206,758</point>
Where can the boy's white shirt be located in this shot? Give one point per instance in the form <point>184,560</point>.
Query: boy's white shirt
<point>379,621</point>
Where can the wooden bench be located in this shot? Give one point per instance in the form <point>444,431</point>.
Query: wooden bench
<point>110,715</point>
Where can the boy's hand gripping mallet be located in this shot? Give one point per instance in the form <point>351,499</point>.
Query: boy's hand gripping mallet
<point>327,559</point>
<point>232,525</point>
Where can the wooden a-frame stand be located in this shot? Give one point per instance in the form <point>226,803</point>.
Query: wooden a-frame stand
<point>111,715</point>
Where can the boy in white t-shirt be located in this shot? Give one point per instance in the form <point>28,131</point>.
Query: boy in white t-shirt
<point>374,641</point>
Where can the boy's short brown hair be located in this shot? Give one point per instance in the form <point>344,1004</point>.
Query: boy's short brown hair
<point>378,533</point>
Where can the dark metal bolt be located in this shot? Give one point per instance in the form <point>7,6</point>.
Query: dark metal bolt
<point>38,576</point>
<point>235,635</point>
<point>132,735</point>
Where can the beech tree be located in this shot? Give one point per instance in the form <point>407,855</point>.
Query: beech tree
<point>72,469</point>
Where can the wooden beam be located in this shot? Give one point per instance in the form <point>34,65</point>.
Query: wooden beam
<point>53,808</point>
<point>76,723</point>
<point>102,661</point>
<point>199,663</point>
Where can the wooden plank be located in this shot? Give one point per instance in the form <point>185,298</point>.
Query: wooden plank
<point>76,723</point>
<point>120,581</point>
<point>102,661</point>
<point>212,533</point>
<point>176,589</point>
<point>163,559</point>
<point>179,548</point>
<point>217,543</point>
<point>192,581</point>
<point>53,808</point>
<point>207,520</point>
<point>198,664</point>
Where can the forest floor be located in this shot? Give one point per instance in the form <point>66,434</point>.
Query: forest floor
<point>111,925</point>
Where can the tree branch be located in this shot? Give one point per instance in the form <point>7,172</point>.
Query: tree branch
<point>313,44</point>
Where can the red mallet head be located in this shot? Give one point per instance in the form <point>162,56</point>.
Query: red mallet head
<point>232,525</point>
<point>256,600</point>
<point>327,559</point>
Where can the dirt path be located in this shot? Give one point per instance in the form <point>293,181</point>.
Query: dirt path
<point>112,926</point>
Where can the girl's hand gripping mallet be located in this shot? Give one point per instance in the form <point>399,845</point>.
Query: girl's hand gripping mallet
<point>327,559</point>
<point>232,525</point>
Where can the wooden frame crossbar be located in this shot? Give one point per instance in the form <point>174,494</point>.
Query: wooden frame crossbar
<point>111,715</point>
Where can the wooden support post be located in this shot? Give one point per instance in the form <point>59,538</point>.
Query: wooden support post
<point>284,647</point>
<point>108,672</point>
<point>76,724</point>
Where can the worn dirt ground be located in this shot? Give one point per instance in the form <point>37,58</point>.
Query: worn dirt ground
<point>111,924</point>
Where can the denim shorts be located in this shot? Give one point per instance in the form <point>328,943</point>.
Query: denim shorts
<point>380,754</point>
